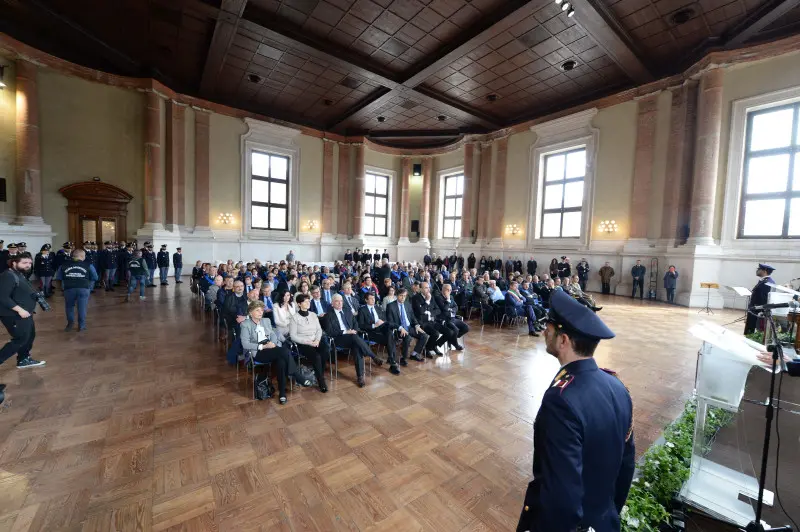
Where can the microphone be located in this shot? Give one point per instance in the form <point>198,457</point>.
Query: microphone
<point>770,306</point>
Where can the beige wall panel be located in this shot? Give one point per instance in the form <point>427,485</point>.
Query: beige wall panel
<point>188,132</point>
<point>224,169</point>
<point>659,165</point>
<point>519,183</point>
<point>311,154</point>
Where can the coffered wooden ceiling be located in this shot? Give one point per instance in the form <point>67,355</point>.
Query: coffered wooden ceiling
<point>424,69</point>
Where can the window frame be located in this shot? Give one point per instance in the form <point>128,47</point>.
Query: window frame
<point>443,176</point>
<point>269,179</point>
<point>793,150</point>
<point>374,194</point>
<point>276,140</point>
<point>561,210</point>
<point>562,134</point>
<point>392,195</point>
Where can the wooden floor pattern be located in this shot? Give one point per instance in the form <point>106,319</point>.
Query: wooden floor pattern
<point>138,424</point>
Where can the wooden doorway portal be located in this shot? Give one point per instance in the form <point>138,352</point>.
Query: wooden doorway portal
<point>97,212</point>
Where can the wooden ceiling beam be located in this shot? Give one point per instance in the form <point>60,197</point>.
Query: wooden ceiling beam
<point>763,17</point>
<point>602,28</point>
<point>228,18</point>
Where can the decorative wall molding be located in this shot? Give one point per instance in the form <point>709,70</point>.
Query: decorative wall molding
<point>565,128</point>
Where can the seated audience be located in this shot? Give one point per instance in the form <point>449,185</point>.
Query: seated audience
<point>234,312</point>
<point>452,327</point>
<point>342,328</point>
<point>388,298</point>
<point>306,332</point>
<point>427,312</point>
<point>261,343</point>
<point>283,312</point>
<point>370,320</point>
<point>211,293</point>
<point>400,316</point>
<point>517,306</point>
<point>318,305</point>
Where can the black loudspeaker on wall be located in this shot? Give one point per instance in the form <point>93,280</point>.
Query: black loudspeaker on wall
<point>3,189</point>
<point>415,226</point>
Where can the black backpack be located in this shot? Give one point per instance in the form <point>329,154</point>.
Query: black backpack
<point>264,388</point>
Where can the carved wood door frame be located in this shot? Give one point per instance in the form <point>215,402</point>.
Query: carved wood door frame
<point>96,200</point>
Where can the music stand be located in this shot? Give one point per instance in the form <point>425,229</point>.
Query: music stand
<point>743,292</point>
<point>707,308</point>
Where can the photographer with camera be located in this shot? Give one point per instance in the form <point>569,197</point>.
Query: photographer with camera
<point>17,305</point>
<point>77,279</point>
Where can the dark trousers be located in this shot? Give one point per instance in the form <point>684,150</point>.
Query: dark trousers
<point>163,274</point>
<point>456,329</point>
<point>281,359</point>
<point>530,313</point>
<point>383,336</point>
<point>582,283</point>
<point>317,355</point>
<point>640,284</point>
<point>46,285</point>
<point>108,278</point>
<point>422,339</point>
<point>751,323</point>
<point>670,295</point>
<point>358,346</point>
<point>22,332</point>
<point>72,297</point>
<point>434,335</point>
<point>606,287</point>
<point>232,356</point>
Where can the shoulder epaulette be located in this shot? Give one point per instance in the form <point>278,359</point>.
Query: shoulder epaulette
<point>562,380</point>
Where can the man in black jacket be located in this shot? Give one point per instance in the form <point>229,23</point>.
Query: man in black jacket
<point>234,312</point>
<point>400,316</point>
<point>532,266</point>
<point>17,307</point>
<point>370,320</point>
<point>108,265</point>
<point>341,326</point>
<point>428,314</point>
<point>163,265</point>
<point>637,272</point>
<point>43,269</point>
<point>452,328</point>
<point>149,257</point>
<point>177,263</point>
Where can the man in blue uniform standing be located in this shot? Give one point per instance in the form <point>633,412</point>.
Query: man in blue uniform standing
<point>760,296</point>
<point>583,450</point>
<point>77,279</point>
<point>177,263</point>
<point>43,268</point>
<point>149,257</point>
<point>163,265</point>
<point>107,259</point>
<point>62,255</point>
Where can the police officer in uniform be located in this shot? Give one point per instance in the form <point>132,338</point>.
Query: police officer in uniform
<point>77,279</point>
<point>760,296</point>
<point>163,265</point>
<point>123,256</point>
<point>583,450</point>
<point>91,256</point>
<point>62,255</point>
<point>149,257</point>
<point>107,259</point>
<point>43,268</point>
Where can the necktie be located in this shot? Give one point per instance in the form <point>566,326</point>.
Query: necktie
<point>403,320</point>
<point>319,306</point>
<point>327,297</point>
<point>374,315</point>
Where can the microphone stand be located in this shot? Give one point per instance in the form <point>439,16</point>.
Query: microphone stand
<point>777,355</point>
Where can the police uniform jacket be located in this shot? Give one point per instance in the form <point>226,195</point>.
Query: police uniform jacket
<point>583,271</point>
<point>761,292</point>
<point>564,269</point>
<point>123,257</point>
<point>583,453</point>
<point>638,271</point>
<point>43,265</point>
<point>532,267</point>
<point>177,260</point>
<point>61,257</point>
<point>107,259</point>
<point>163,259</point>
<point>348,256</point>
<point>150,258</point>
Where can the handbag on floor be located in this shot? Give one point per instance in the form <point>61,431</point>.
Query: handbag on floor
<point>308,374</point>
<point>264,388</point>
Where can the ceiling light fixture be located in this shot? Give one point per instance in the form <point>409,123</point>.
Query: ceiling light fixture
<point>570,12</point>
<point>565,6</point>
<point>441,118</point>
<point>682,16</point>
<point>327,103</point>
<point>253,78</point>
<point>381,119</point>
<point>558,2</point>
<point>492,97</point>
<point>568,65</point>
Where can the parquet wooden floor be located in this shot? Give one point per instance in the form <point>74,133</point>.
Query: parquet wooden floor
<point>138,424</point>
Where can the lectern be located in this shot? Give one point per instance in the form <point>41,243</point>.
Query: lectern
<point>723,364</point>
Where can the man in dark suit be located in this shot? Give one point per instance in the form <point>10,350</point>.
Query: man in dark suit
<point>348,255</point>
<point>376,256</point>
<point>351,302</point>
<point>385,255</point>
<point>452,327</point>
<point>341,326</point>
<point>428,314</point>
<point>318,305</point>
<point>532,266</point>
<point>371,321</point>
<point>357,255</point>
<point>583,446</point>
<point>384,272</point>
<point>400,316</point>
<point>759,296</point>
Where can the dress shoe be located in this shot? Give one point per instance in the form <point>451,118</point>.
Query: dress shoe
<point>458,347</point>
<point>533,333</point>
<point>361,383</point>
<point>68,328</point>
<point>596,309</point>
<point>282,400</point>
<point>377,361</point>
<point>2,393</point>
<point>394,370</point>
<point>418,358</point>
<point>323,387</point>
<point>430,354</point>
<point>403,361</point>
<point>438,353</point>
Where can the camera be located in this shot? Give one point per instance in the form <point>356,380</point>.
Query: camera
<point>39,297</point>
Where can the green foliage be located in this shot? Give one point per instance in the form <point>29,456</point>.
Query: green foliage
<point>664,468</point>
<point>785,337</point>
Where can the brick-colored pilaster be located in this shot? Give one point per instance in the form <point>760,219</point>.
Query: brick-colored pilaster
<point>202,207</point>
<point>175,212</point>
<point>469,175</point>
<point>706,159</point>
<point>404,198</point>
<point>499,202</point>
<point>153,172</point>
<point>427,177</point>
<point>327,187</point>
<point>483,190</point>
<point>345,196</point>
<point>643,165</point>
<point>28,158</point>
<point>358,196</point>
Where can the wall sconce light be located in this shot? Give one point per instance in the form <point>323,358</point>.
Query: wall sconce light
<point>513,229</point>
<point>2,71</point>
<point>225,218</point>
<point>312,225</point>
<point>608,226</point>
<point>416,170</point>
